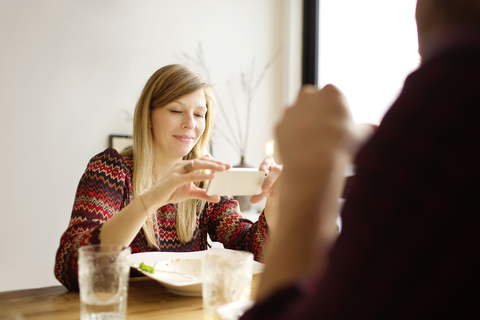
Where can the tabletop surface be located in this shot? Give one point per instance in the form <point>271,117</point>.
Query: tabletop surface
<point>147,299</point>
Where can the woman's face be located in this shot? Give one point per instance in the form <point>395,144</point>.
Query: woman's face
<point>177,126</point>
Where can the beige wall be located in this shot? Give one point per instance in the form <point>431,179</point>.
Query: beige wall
<point>70,69</point>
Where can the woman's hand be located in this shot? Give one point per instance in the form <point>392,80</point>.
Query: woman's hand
<point>174,187</point>
<point>269,190</point>
<point>268,186</point>
<point>178,185</point>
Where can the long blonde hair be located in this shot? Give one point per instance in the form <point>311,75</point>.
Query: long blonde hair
<point>166,85</point>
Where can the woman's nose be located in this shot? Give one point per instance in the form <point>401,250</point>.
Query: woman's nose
<point>188,122</point>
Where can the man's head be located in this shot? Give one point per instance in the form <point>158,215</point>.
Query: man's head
<point>434,15</point>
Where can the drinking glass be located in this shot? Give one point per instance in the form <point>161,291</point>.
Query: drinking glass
<point>226,278</point>
<point>103,274</point>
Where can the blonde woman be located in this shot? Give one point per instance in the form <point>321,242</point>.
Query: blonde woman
<point>151,197</point>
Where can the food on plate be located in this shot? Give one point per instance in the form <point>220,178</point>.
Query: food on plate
<point>146,268</point>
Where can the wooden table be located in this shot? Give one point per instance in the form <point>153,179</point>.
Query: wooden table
<point>147,299</point>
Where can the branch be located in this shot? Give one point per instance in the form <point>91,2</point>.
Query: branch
<point>237,116</point>
<point>230,142</point>
<point>265,69</point>
<point>249,88</point>
<point>250,92</point>
<point>199,61</point>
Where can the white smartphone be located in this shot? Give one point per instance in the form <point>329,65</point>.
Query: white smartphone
<point>237,182</point>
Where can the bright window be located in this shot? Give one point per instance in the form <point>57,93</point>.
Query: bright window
<point>367,48</point>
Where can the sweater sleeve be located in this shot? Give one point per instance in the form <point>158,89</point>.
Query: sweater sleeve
<point>99,196</point>
<point>228,226</point>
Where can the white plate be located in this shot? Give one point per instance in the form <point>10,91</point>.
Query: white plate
<point>183,270</point>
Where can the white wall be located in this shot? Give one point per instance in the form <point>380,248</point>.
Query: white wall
<point>366,54</point>
<point>69,70</point>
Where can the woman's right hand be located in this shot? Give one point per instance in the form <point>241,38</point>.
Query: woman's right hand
<point>178,185</point>
<point>174,187</point>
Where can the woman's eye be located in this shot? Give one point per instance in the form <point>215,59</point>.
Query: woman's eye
<point>175,111</point>
<point>200,115</point>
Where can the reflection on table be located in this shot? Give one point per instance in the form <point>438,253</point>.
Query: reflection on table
<point>147,299</point>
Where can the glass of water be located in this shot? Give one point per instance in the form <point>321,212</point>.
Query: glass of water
<point>226,278</point>
<point>103,274</point>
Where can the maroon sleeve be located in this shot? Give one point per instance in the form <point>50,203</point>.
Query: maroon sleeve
<point>227,225</point>
<point>409,244</point>
<point>99,196</point>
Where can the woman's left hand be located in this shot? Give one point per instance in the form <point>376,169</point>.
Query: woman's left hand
<point>268,188</point>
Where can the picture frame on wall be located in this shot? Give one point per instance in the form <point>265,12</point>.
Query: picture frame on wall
<point>120,142</point>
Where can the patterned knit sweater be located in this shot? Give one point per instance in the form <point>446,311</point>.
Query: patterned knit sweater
<point>106,188</point>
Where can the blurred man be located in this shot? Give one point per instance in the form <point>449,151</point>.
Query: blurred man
<point>410,244</point>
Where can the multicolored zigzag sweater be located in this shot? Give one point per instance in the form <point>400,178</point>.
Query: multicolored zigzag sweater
<point>106,188</point>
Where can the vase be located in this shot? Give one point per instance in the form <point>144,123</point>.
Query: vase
<point>243,201</point>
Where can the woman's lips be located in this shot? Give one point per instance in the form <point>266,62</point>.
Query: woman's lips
<point>184,138</point>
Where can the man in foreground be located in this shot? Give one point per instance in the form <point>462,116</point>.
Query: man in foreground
<point>409,247</point>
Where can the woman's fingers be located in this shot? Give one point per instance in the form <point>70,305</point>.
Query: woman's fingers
<point>192,176</point>
<point>201,194</point>
<point>258,197</point>
<point>274,172</point>
<point>188,166</point>
<point>273,191</point>
<point>266,163</point>
<point>212,164</point>
<point>203,163</point>
<point>268,186</point>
